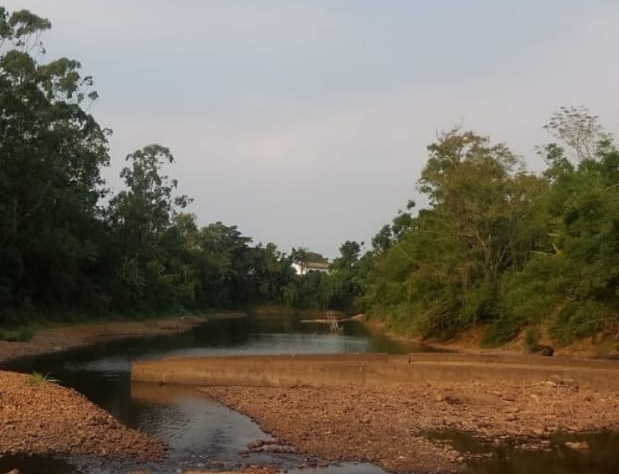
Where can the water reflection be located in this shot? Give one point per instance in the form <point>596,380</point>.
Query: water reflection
<point>601,458</point>
<point>200,431</point>
<point>37,465</point>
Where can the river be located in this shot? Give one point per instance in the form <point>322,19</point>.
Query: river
<point>203,434</point>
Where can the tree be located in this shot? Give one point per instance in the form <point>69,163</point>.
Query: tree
<point>141,216</point>
<point>570,290</point>
<point>444,271</point>
<point>580,131</point>
<point>348,276</point>
<point>51,152</point>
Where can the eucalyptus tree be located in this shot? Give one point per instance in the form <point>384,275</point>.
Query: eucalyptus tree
<point>142,217</point>
<point>51,153</point>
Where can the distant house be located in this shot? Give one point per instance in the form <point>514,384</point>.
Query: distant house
<point>303,268</point>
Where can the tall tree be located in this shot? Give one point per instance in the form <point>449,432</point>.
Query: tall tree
<point>141,216</point>
<point>451,259</point>
<point>570,289</point>
<point>51,152</point>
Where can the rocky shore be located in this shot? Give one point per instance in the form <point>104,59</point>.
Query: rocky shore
<point>392,426</point>
<point>37,416</point>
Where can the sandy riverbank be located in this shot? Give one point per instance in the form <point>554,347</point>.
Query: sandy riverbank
<point>40,417</point>
<point>388,426</point>
<point>63,337</point>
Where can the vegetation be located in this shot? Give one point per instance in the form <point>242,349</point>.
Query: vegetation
<point>67,246</point>
<point>496,246</point>
<point>503,247</point>
<point>22,334</point>
<point>36,378</point>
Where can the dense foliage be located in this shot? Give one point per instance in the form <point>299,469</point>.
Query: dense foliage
<point>504,247</point>
<point>496,246</point>
<point>67,246</point>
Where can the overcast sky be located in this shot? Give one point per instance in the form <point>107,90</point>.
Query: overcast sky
<point>305,122</point>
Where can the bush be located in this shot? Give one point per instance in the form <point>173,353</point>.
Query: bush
<point>36,378</point>
<point>23,334</point>
<point>502,330</point>
<point>531,338</point>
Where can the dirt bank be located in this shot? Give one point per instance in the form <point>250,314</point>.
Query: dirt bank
<point>38,417</point>
<point>54,339</point>
<point>41,417</point>
<point>470,341</point>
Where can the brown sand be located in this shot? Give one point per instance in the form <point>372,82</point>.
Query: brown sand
<point>41,417</point>
<point>389,425</point>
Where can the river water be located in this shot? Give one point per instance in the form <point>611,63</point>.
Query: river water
<point>202,434</point>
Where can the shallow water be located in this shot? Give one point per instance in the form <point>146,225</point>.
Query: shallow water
<point>602,458</point>
<point>203,434</point>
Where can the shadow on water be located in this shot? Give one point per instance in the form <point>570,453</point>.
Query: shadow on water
<point>602,457</point>
<point>37,464</point>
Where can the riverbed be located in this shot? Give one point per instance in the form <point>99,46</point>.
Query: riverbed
<point>203,434</point>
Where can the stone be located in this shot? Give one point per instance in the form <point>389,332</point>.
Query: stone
<point>578,445</point>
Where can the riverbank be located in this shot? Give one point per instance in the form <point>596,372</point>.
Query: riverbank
<point>62,337</point>
<point>470,341</point>
<point>391,410</point>
<point>37,416</point>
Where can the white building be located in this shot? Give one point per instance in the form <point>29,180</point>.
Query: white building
<point>303,268</point>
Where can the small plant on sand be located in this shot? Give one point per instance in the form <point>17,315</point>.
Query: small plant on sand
<point>37,378</point>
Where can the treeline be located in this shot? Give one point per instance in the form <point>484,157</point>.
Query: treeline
<point>496,245</point>
<point>68,246</point>
<point>505,248</point>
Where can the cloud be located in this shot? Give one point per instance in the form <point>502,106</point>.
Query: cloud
<point>184,26</point>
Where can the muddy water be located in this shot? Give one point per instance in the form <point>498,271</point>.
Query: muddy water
<point>205,435</point>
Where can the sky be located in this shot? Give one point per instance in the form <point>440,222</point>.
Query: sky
<point>305,122</point>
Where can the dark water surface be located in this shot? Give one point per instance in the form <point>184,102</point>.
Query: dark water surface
<point>203,434</point>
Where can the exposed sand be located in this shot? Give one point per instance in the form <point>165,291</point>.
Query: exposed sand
<point>384,425</point>
<point>387,426</point>
<point>41,417</point>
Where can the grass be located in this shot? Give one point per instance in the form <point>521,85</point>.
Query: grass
<point>22,334</point>
<point>36,378</point>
